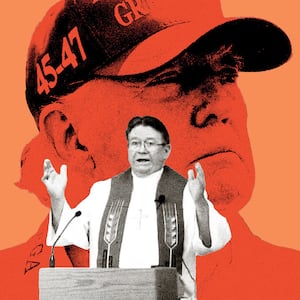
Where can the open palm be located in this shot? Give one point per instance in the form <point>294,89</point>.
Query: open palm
<point>196,184</point>
<point>55,182</point>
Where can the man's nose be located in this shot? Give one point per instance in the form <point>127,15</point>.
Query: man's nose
<point>142,147</point>
<point>206,115</point>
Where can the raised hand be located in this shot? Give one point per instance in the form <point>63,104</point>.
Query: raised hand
<point>54,182</point>
<point>197,188</point>
<point>196,184</point>
<point>56,185</point>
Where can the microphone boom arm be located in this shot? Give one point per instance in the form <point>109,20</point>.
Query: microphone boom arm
<point>52,258</point>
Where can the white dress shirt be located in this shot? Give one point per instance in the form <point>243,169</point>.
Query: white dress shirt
<point>139,247</point>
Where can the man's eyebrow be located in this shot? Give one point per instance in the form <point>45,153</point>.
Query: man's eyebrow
<point>163,77</point>
<point>146,139</point>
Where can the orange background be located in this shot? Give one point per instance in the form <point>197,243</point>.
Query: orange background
<point>273,109</point>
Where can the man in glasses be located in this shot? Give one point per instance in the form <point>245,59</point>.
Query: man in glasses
<point>93,65</point>
<point>140,201</point>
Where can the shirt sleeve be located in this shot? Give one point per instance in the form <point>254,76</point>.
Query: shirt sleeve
<point>218,225</point>
<point>77,231</point>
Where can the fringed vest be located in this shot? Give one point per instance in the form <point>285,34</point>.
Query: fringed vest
<point>170,225</point>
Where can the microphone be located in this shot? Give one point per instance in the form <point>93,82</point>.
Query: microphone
<point>52,258</point>
<point>161,199</point>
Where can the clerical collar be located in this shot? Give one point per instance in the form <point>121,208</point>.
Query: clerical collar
<point>152,177</point>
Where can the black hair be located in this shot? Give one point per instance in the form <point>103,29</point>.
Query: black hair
<point>220,66</point>
<point>149,121</point>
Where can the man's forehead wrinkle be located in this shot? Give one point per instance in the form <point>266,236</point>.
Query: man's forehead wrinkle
<point>167,76</point>
<point>161,93</point>
<point>146,78</point>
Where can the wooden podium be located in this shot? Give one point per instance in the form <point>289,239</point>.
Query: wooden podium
<point>111,284</point>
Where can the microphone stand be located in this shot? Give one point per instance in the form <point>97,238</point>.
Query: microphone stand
<point>52,258</point>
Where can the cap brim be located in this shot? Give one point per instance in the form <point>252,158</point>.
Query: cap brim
<point>260,43</point>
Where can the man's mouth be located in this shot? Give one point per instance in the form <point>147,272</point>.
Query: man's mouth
<point>211,154</point>
<point>142,160</point>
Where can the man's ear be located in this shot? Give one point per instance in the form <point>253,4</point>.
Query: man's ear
<point>167,150</point>
<point>61,133</point>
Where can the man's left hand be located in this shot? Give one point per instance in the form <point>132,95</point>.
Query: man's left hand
<point>197,184</point>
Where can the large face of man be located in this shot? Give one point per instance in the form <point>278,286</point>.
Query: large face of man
<point>147,150</point>
<point>208,126</point>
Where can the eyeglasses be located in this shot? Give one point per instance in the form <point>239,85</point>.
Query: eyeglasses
<point>149,145</point>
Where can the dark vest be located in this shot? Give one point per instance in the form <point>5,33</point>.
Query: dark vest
<point>170,227</point>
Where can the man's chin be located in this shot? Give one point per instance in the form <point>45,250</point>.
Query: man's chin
<point>228,197</point>
<point>228,182</point>
<point>142,170</point>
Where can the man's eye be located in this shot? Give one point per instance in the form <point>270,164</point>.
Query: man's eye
<point>150,144</point>
<point>134,143</point>
<point>167,77</point>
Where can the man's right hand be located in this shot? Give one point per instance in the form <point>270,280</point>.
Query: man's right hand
<point>54,182</point>
<point>56,185</point>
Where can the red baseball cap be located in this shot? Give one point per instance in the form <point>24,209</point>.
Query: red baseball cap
<point>77,39</point>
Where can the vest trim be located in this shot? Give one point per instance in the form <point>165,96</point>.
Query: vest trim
<point>169,196</point>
